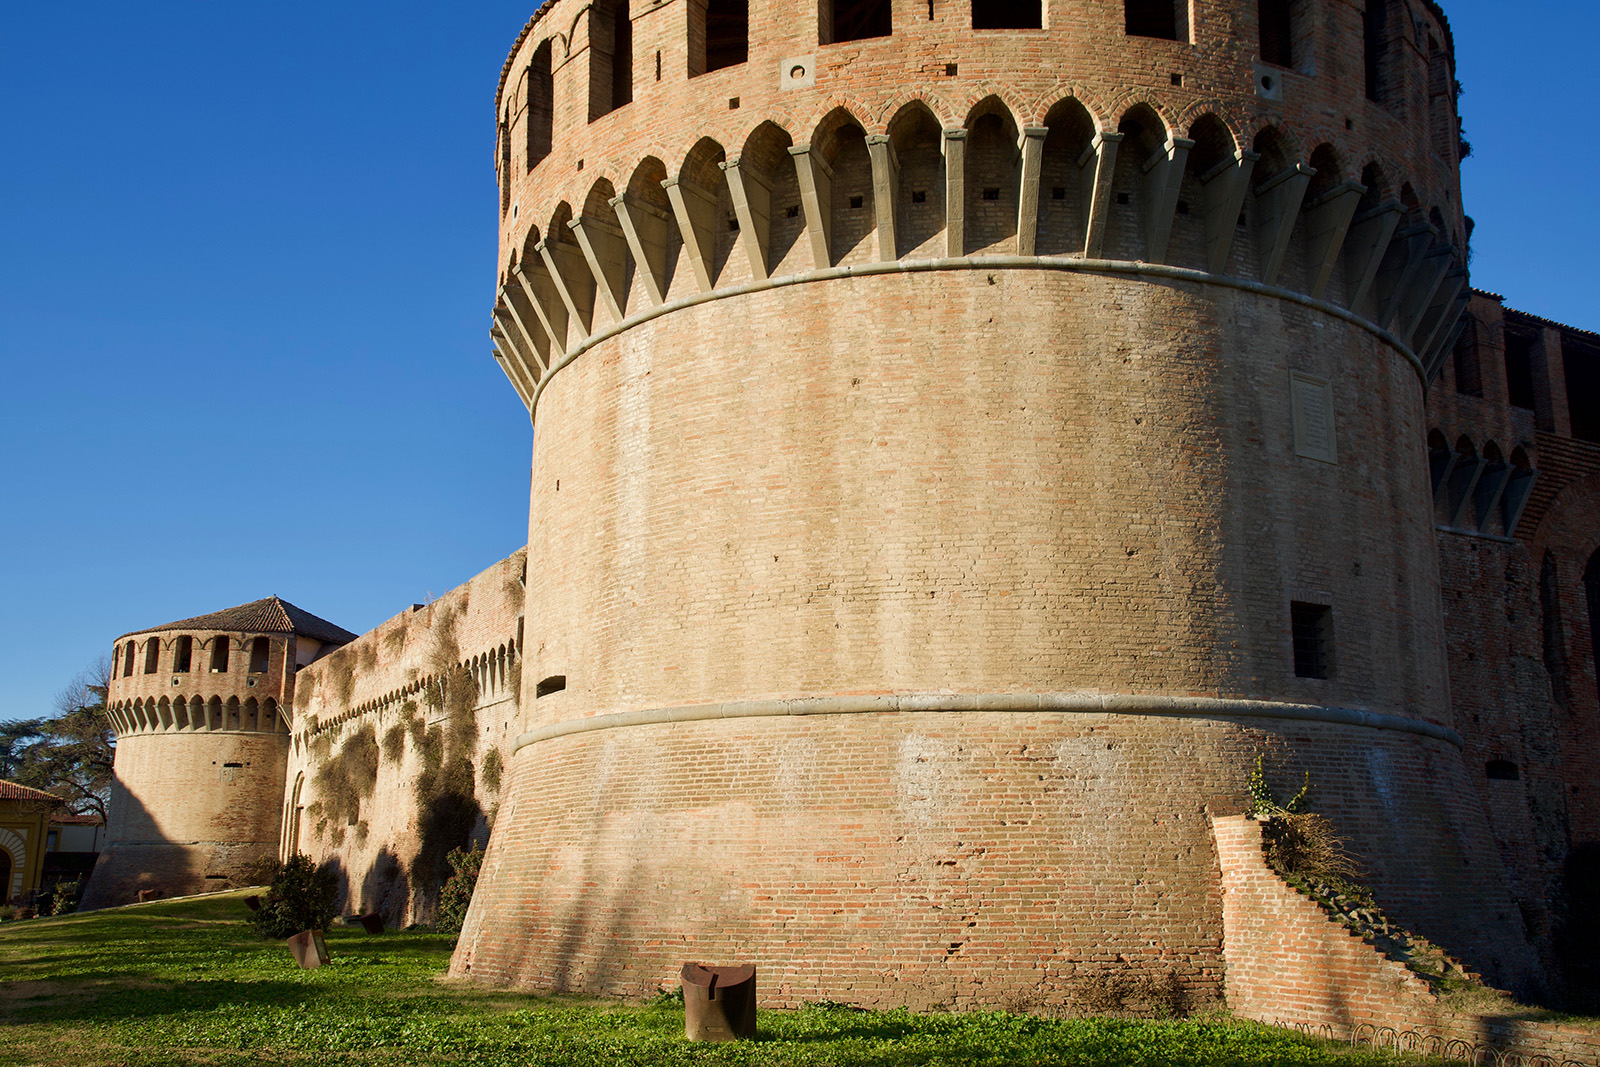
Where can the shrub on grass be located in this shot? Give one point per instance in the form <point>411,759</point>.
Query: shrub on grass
<point>64,901</point>
<point>301,897</point>
<point>457,891</point>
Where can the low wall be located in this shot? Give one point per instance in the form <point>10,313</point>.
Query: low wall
<point>1289,962</point>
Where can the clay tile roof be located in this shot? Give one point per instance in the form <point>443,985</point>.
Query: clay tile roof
<point>69,819</point>
<point>270,616</point>
<point>13,791</point>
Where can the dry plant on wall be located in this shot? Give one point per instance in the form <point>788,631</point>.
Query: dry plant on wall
<point>447,803</point>
<point>394,740</point>
<point>342,782</point>
<point>493,769</point>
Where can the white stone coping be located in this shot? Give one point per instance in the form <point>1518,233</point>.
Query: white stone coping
<point>1071,703</point>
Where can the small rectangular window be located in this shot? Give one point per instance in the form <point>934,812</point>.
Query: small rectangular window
<point>852,20</point>
<point>258,656</point>
<point>1519,369</point>
<point>1312,630</point>
<point>182,653</point>
<point>1469,375</point>
<point>1007,14</point>
<point>152,655</point>
<point>52,841</point>
<point>219,655</point>
<point>1277,32</point>
<point>1155,18</point>
<point>127,660</point>
<point>1582,362</point>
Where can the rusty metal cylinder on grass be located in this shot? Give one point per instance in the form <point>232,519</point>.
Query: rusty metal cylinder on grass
<point>719,1003</point>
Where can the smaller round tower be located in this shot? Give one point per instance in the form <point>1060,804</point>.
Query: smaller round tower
<point>202,746</point>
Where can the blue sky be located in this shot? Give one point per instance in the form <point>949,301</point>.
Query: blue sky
<point>249,257</point>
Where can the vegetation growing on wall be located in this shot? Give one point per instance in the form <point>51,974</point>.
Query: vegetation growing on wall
<point>343,781</point>
<point>493,768</point>
<point>394,742</point>
<point>447,803</point>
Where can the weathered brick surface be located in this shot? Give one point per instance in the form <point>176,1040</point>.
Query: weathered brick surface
<point>476,626</point>
<point>198,790</point>
<point>1288,961</point>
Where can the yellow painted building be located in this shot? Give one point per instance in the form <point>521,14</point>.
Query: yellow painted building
<point>24,820</point>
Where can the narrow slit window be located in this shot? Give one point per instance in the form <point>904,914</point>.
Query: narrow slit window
<point>1312,631</point>
<point>553,684</point>
<point>219,655</point>
<point>1154,18</point>
<point>127,660</point>
<point>1582,362</point>
<point>852,20</point>
<point>182,654</point>
<point>1007,14</point>
<point>152,655</point>
<point>1591,590</point>
<point>258,656</point>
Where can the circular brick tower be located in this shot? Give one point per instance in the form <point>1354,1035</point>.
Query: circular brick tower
<point>965,436</point>
<point>199,711</point>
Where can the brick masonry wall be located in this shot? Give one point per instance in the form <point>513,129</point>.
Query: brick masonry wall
<point>189,813</point>
<point>1288,961</point>
<point>477,626</point>
<point>1495,620</point>
<point>962,482</point>
<point>959,860</point>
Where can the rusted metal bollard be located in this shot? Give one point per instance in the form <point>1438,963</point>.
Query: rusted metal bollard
<point>310,949</point>
<point>719,1003</point>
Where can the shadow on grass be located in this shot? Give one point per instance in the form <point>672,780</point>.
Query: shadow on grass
<point>108,1001</point>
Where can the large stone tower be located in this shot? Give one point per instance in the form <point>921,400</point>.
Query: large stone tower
<point>199,710</point>
<point>965,435</point>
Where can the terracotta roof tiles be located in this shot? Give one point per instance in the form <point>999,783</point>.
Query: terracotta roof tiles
<point>272,615</point>
<point>13,791</point>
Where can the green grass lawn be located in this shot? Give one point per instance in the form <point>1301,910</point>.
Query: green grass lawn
<point>187,982</point>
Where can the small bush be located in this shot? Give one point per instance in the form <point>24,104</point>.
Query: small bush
<point>458,888</point>
<point>301,897</point>
<point>64,901</point>
<point>7,912</point>
<point>1307,846</point>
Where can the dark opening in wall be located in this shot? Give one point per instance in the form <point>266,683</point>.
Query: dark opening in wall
<point>1155,18</point>
<point>1007,14</point>
<point>852,20</point>
<point>1555,650</point>
<point>258,656</point>
<point>1519,368</point>
<point>1311,627</point>
<point>1375,38</point>
<point>553,684</point>
<point>610,57</point>
<point>183,653</point>
<point>127,660</point>
<point>1591,589</point>
<point>1582,362</point>
<point>505,167</point>
<point>152,655</point>
<point>541,109</point>
<point>1469,375</point>
<point>727,33</point>
<point>1501,770</point>
<point>219,655</point>
<point>1277,32</point>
